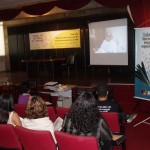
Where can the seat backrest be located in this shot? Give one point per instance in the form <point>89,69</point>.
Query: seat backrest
<point>9,138</point>
<point>61,111</point>
<point>51,113</point>
<point>35,139</point>
<point>74,142</point>
<point>71,60</point>
<point>45,96</point>
<point>112,120</point>
<point>20,109</point>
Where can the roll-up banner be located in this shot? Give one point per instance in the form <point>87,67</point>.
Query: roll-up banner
<point>142,63</point>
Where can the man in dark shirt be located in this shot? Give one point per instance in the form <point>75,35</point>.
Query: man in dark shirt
<point>107,104</point>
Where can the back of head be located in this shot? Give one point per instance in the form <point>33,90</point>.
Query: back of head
<point>102,90</point>
<point>6,106</point>
<point>36,108</point>
<point>24,87</point>
<point>84,113</point>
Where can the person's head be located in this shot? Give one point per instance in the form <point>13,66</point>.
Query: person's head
<point>84,113</point>
<point>24,87</point>
<point>36,108</point>
<point>6,106</point>
<point>108,36</point>
<point>102,90</point>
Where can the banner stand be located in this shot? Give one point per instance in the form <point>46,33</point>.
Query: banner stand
<point>142,69</point>
<point>143,121</point>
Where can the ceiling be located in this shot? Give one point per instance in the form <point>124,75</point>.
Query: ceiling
<point>92,8</point>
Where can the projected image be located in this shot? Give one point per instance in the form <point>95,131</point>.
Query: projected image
<point>113,42</point>
<point>108,42</point>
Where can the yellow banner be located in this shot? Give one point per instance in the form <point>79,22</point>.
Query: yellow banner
<point>55,39</point>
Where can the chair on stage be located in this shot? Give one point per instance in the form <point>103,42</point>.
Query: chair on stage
<point>35,139</point>
<point>70,64</point>
<point>74,142</point>
<point>9,138</point>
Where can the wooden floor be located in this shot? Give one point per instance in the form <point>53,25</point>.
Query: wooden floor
<point>81,79</point>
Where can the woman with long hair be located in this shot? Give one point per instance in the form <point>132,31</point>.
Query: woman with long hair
<point>7,113</point>
<point>85,119</point>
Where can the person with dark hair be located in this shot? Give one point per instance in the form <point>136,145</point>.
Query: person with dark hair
<point>24,89</point>
<point>106,103</point>
<point>7,113</point>
<point>37,116</point>
<point>84,119</point>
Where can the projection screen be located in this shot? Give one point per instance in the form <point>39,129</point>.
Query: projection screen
<point>108,42</point>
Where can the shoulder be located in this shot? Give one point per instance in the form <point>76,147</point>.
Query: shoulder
<point>15,119</point>
<point>14,114</point>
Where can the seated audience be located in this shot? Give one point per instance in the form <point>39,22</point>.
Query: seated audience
<point>24,93</point>
<point>106,103</point>
<point>37,116</point>
<point>84,119</point>
<point>7,113</point>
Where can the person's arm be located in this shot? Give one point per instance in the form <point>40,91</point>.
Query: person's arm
<point>16,120</point>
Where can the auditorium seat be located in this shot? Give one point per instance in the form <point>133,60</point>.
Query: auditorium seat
<point>74,142</point>
<point>9,138</point>
<point>35,139</point>
<point>51,113</point>
<point>113,122</point>
<point>20,109</point>
<point>61,111</point>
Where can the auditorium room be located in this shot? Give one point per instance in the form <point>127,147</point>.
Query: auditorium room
<point>74,75</point>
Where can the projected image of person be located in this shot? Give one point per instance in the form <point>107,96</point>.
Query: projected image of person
<point>109,45</point>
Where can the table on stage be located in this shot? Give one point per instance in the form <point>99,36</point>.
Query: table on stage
<point>38,61</point>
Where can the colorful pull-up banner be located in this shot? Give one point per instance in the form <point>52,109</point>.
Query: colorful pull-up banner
<point>142,63</point>
<point>55,39</point>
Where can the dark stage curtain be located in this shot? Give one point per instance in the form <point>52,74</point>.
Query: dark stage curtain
<point>72,4</point>
<point>114,3</point>
<point>139,9</point>
<point>8,14</point>
<point>39,9</point>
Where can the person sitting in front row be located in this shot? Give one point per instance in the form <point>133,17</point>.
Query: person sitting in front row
<point>7,113</point>
<point>84,119</point>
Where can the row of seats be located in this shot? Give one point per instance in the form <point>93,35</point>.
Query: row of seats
<point>20,138</point>
<point>37,140</point>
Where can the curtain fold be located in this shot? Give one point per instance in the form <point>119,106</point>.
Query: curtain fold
<point>39,9</point>
<point>72,4</point>
<point>114,3</point>
<point>8,14</point>
<point>140,11</point>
